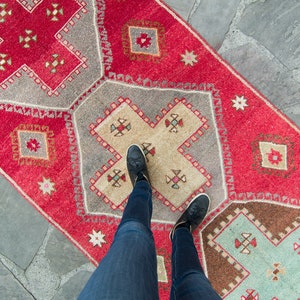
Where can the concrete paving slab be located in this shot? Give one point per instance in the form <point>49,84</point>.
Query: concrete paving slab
<point>10,288</point>
<point>212,19</point>
<point>22,228</point>
<point>275,24</point>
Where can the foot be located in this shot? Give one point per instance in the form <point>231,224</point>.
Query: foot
<point>194,214</point>
<point>136,164</point>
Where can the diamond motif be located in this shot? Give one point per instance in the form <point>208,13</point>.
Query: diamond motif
<point>273,155</point>
<point>33,145</point>
<point>143,40</point>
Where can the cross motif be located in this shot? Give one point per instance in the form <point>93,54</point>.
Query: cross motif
<point>132,127</point>
<point>54,12</point>
<point>251,295</point>
<point>274,266</point>
<point>175,123</point>
<point>276,272</point>
<point>28,38</point>
<point>4,12</point>
<point>54,63</point>
<point>116,178</point>
<point>245,243</point>
<point>148,150</point>
<point>28,52</point>
<point>121,127</point>
<point>176,179</point>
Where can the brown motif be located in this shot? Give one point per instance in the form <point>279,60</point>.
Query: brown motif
<point>221,273</point>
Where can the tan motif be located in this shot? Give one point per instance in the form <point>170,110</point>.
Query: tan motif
<point>274,156</point>
<point>4,60</point>
<point>276,272</point>
<point>55,63</point>
<point>125,126</point>
<point>28,38</point>
<point>4,12</point>
<point>54,12</point>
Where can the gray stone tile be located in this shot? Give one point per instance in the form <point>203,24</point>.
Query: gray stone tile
<point>10,288</point>
<point>40,279</point>
<point>275,24</point>
<point>182,7</point>
<point>22,228</point>
<point>269,77</point>
<point>293,112</point>
<point>72,288</point>
<point>212,19</point>
<point>63,256</point>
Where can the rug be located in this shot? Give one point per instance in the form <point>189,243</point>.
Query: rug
<point>82,80</point>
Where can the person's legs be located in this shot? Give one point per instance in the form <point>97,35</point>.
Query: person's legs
<point>188,279</point>
<point>129,269</point>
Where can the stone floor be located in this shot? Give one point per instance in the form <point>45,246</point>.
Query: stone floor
<point>260,38</point>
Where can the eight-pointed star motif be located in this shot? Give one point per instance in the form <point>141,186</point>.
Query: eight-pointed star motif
<point>46,186</point>
<point>189,58</point>
<point>239,103</point>
<point>97,238</point>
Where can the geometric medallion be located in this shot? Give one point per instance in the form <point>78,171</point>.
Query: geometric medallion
<point>22,47</point>
<point>273,154</point>
<point>255,247</point>
<point>143,40</point>
<point>33,144</point>
<point>175,180</point>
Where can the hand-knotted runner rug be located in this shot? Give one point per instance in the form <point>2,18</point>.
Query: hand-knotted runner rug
<point>82,80</point>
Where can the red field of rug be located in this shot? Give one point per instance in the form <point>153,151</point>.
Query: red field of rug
<point>80,81</point>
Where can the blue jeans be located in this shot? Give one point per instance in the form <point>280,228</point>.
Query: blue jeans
<point>129,269</point>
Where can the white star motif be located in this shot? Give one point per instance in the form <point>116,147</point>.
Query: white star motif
<point>46,186</point>
<point>97,238</point>
<point>189,58</point>
<point>239,103</point>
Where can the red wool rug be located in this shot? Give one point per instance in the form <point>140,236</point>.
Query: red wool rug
<point>81,80</point>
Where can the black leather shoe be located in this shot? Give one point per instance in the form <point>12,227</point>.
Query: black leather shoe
<point>194,214</point>
<point>136,164</point>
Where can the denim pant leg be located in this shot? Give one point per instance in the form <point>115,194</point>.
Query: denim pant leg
<point>188,279</point>
<point>129,269</point>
